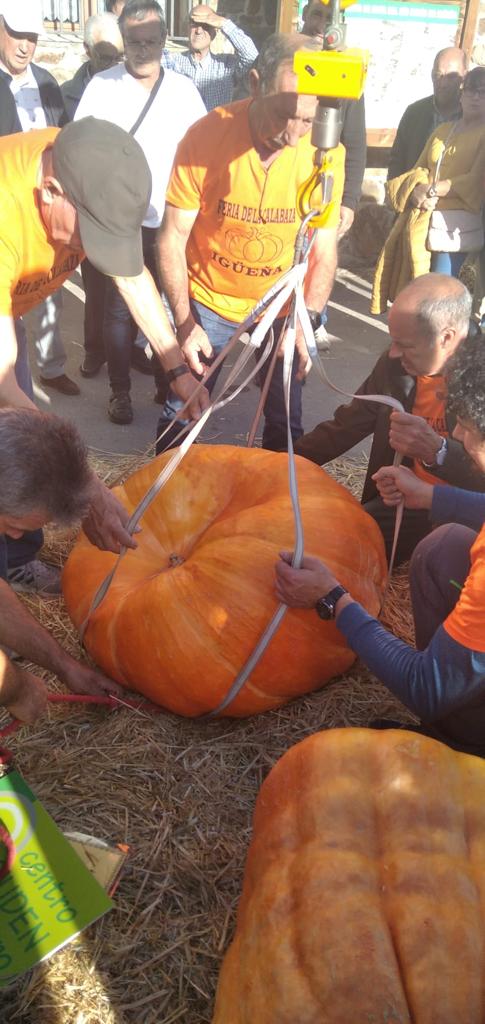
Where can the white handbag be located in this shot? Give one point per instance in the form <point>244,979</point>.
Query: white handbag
<point>455,231</point>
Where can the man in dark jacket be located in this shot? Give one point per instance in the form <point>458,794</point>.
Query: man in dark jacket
<point>39,104</point>
<point>427,322</point>
<point>420,119</point>
<point>315,21</point>
<point>104,47</point>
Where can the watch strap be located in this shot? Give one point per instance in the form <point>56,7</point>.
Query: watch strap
<point>439,457</point>
<point>178,371</point>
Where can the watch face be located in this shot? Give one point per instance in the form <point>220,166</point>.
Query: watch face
<point>324,609</point>
<point>325,606</point>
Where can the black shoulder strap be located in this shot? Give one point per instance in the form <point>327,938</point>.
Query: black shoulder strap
<point>146,108</point>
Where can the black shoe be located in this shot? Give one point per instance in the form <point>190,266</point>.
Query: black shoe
<point>119,407</point>
<point>140,361</point>
<point>62,383</point>
<point>91,364</point>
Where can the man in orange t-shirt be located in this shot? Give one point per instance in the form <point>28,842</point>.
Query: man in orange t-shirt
<point>231,223</point>
<point>82,189</point>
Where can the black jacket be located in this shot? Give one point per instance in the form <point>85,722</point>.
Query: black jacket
<point>50,96</point>
<point>8,111</point>
<point>353,138</point>
<point>414,129</point>
<point>353,422</point>
<point>74,88</point>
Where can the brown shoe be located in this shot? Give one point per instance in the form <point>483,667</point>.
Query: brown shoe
<point>63,384</point>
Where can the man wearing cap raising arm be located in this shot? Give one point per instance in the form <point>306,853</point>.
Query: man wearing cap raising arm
<point>84,189</point>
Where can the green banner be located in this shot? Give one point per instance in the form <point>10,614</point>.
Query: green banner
<point>48,896</point>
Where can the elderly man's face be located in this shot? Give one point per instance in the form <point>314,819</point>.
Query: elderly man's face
<point>104,54</point>
<point>420,355</point>
<point>283,116</point>
<point>144,42</point>
<point>16,526</point>
<point>447,76</point>
<point>16,49</point>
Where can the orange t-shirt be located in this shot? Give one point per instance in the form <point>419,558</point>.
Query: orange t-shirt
<point>31,266</point>
<point>466,623</point>
<point>244,234</point>
<point>430,404</point>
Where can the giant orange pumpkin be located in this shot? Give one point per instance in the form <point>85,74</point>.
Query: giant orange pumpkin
<point>185,610</point>
<point>364,890</point>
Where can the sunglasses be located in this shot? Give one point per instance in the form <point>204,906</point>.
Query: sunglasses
<point>200,24</point>
<point>479,91</point>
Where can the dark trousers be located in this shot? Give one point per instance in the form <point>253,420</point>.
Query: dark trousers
<point>95,294</point>
<point>415,525</point>
<point>18,552</point>
<point>275,438</point>
<point>439,568</point>
<point>120,329</point>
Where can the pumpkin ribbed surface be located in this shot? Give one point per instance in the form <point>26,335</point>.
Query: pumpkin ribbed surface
<point>364,891</point>
<point>185,610</point>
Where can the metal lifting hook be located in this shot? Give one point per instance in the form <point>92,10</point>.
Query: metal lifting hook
<point>315,194</point>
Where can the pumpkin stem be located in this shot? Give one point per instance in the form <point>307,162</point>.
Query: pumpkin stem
<point>175,560</point>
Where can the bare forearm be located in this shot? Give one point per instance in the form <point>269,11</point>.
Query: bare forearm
<point>147,310</point>
<point>174,277</point>
<point>320,276</point>
<point>10,393</point>
<point>20,631</point>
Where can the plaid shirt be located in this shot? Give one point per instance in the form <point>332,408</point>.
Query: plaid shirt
<point>215,75</point>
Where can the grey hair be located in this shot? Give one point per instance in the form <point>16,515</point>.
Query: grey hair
<point>137,10</point>
<point>453,310</point>
<point>280,49</point>
<point>95,25</point>
<point>43,467</point>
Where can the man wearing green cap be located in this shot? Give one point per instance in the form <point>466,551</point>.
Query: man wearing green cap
<point>81,190</point>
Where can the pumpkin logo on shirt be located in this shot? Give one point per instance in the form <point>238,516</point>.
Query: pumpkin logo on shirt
<point>252,245</point>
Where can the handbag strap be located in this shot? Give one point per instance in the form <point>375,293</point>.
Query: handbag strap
<point>436,176</point>
<point>146,108</point>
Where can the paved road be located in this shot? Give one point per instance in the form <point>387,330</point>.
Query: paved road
<point>359,339</point>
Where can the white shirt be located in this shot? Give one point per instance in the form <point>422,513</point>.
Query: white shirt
<point>115,95</point>
<point>26,94</point>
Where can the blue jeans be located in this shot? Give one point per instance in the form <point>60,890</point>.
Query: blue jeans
<point>50,354</point>
<point>17,552</point>
<point>219,331</point>
<point>447,262</point>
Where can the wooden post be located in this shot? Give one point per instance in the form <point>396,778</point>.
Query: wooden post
<point>469,26</point>
<point>286,19</point>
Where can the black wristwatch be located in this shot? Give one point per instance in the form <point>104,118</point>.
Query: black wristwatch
<point>315,319</point>
<point>325,606</point>
<point>432,192</point>
<point>178,371</point>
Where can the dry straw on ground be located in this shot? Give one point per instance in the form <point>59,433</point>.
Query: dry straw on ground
<point>181,794</point>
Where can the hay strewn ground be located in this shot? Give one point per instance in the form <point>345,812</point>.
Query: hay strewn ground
<point>181,794</point>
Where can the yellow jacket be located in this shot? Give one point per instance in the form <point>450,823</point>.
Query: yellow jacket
<point>404,255</point>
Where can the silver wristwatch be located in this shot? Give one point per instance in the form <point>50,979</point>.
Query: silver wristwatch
<point>439,457</point>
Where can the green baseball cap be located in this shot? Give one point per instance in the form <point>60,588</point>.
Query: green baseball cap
<point>105,175</point>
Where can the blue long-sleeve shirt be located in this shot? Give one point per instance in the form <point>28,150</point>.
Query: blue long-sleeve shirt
<point>447,680</point>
